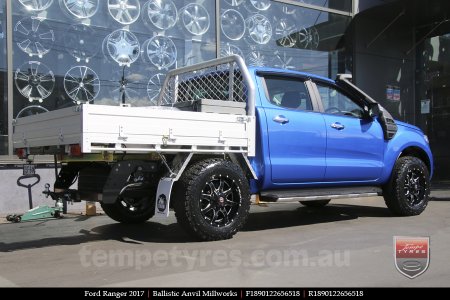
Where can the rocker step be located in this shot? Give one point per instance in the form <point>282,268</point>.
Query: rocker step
<point>283,196</point>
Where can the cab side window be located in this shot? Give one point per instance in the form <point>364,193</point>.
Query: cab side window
<point>336,102</point>
<point>289,93</point>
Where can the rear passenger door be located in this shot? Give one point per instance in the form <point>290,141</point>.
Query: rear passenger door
<point>296,133</point>
<point>354,139</point>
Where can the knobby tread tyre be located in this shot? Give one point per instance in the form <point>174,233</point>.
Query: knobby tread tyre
<point>188,199</point>
<point>407,193</point>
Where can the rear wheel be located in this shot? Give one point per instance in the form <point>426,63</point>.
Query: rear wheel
<point>407,193</point>
<point>317,203</point>
<point>212,200</point>
<point>131,210</point>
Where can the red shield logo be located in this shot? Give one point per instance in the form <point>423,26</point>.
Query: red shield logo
<point>412,255</point>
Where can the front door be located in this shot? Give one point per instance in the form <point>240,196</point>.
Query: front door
<point>296,134</point>
<point>354,140</point>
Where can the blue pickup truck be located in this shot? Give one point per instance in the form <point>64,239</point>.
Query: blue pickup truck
<point>297,138</point>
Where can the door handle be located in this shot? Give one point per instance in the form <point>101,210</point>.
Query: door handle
<point>281,119</point>
<point>337,126</point>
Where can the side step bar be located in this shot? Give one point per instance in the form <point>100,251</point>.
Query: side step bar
<point>289,196</point>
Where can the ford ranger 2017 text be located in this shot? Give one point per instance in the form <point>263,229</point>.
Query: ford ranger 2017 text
<point>222,132</point>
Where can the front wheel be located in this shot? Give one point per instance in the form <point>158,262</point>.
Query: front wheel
<point>408,192</point>
<point>212,200</point>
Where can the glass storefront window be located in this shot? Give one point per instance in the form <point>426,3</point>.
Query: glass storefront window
<point>104,51</point>
<point>274,34</point>
<point>3,83</point>
<point>110,52</point>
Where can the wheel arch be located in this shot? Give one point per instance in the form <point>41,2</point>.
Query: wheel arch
<point>419,153</point>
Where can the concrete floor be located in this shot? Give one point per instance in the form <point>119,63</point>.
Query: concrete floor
<point>348,243</point>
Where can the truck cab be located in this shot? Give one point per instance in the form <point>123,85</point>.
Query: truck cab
<point>314,132</point>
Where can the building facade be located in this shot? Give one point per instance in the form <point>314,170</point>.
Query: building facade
<point>58,53</point>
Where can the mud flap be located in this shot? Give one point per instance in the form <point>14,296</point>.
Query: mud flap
<point>163,197</point>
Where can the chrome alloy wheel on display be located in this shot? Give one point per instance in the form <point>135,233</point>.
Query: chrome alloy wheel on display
<point>154,87</point>
<point>80,9</point>
<point>122,46</point>
<point>162,14</point>
<point>259,29</point>
<point>285,33</point>
<point>35,81</point>
<point>124,11</point>
<point>161,51</point>
<point>195,18</point>
<point>33,36</point>
<point>81,84</point>
<point>308,38</point>
<point>232,24</point>
<point>36,5</point>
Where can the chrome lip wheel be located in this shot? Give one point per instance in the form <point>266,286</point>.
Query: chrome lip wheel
<point>195,19</point>
<point>81,84</point>
<point>163,14</point>
<point>33,36</point>
<point>80,9</point>
<point>35,81</point>
<point>124,11</point>
<point>415,186</point>
<point>220,201</point>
